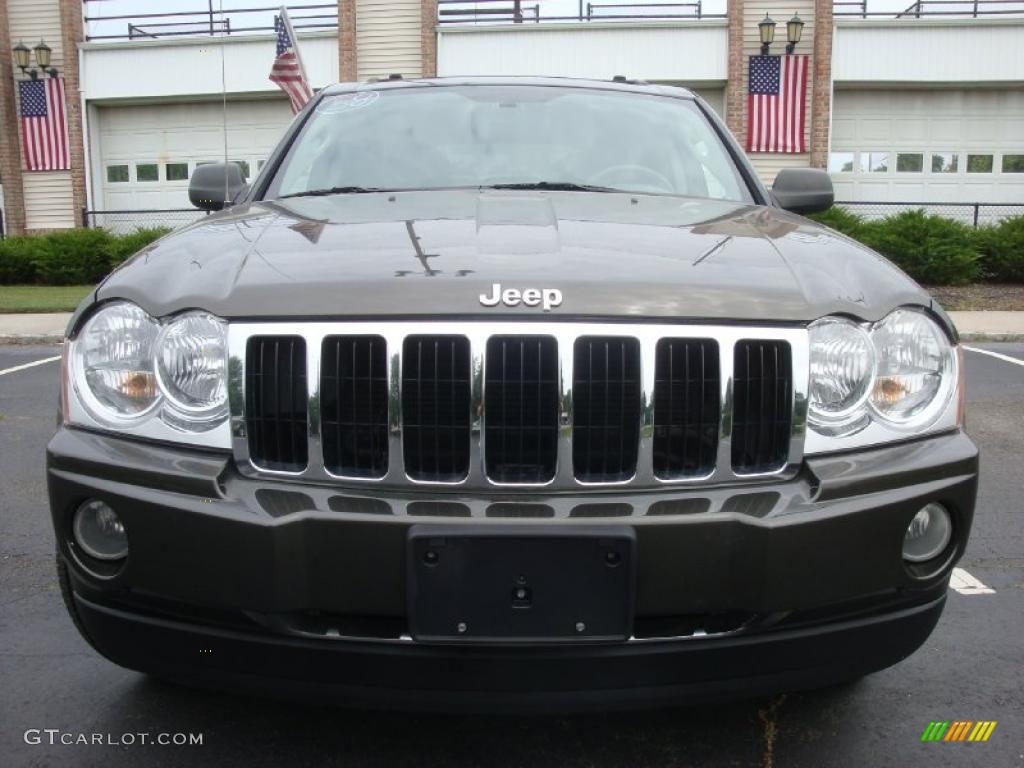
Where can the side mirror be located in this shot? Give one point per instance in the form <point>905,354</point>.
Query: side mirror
<point>803,190</point>
<point>215,186</point>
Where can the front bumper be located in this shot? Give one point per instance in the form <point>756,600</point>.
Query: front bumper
<point>738,590</point>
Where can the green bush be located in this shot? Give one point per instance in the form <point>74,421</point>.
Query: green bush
<point>68,257</point>
<point>931,249</point>
<point>121,248</point>
<point>842,220</point>
<point>1002,250</point>
<point>17,259</point>
<point>73,257</point>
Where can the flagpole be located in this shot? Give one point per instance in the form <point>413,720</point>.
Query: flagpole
<point>295,43</point>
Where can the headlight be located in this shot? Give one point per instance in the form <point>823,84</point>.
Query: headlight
<point>842,361</point>
<point>161,381</point>
<point>872,383</point>
<point>191,364</point>
<point>114,364</point>
<point>915,363</point>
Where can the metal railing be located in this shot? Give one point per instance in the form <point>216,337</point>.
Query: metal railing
<point>516,12</point>
<point>124,222</point>
<point>976,214</point>
<point>208,21</point>
<point>931,8</point>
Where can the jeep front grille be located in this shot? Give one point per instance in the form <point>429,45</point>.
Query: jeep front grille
<point>354,405</point>
<point>501,406</point>
<point>687,408</point>
<point>606,408</point>
<point>762,414</point>
<point>276,407</point>
<point>521,407</point>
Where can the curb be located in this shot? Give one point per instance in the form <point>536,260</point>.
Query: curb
<point>991,337</point>
<point>26,339</point>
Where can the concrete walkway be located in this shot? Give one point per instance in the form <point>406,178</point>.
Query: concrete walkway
<point>973,326</point>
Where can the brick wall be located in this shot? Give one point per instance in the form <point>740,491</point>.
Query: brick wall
<point>10,151</point>
<point>347,40</point>
<point>73,33</point>
<point>428,31</point>
<point>735,93</point>
<point>821,80</point>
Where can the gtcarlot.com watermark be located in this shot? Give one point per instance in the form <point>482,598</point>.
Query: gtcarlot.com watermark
<point>55,736</point>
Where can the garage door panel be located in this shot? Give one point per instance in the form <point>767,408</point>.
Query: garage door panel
<point>874,128</point>
<point>928,121</point>
<point>909,130</point>
<point>946,130</point>
<point>180,133</point>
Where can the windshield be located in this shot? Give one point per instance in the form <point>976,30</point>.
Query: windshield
<point>508,135</point>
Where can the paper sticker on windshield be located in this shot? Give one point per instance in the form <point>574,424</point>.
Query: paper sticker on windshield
<point>338,104</point>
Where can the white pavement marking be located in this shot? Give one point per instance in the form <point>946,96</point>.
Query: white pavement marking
<point>966,584</point>
<point>996,355</point>
<point>17,368</point>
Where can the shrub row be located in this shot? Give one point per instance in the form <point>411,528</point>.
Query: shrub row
<point>69,256</point>
<point>938,251</point>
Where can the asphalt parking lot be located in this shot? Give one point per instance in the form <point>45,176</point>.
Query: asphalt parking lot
<point>972,667</point>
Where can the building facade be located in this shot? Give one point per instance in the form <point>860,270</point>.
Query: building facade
<point>899,107</point>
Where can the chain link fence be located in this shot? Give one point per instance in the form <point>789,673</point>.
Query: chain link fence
<point>126,222</point>
<point>976,214</point>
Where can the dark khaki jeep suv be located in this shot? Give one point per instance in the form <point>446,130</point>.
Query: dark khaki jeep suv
<point>510,394</point>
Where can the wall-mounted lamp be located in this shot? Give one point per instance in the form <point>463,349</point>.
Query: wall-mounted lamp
<point>794,29</point>
<point>43,54</point>
<point>767,30</point>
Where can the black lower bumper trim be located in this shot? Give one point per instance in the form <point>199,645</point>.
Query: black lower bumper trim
<point>408,675</point>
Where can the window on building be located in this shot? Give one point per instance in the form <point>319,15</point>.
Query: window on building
<point>1013,163</point>
<point>244,165</point>
<point>260,164</point>
<point>117,174</point>
<point>945,162</point>
<point>874,162</point>
<point>147,172</point>
<point>840,162</point>
<point>979,164</point>
<point>909,162</point>
<point>177,171</point>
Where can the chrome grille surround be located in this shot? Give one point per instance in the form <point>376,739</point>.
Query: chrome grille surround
<point>478,332</point>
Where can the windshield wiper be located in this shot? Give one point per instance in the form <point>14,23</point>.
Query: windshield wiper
<point>336,191</point>
<point>555,186</point>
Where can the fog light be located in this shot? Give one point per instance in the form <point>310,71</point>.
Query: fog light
<point>928,534</point>
<point>99,531</point>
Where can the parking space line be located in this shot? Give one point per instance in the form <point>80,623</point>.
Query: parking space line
<point>996,355</point>
<point>966,584</point>
<point>17,368</point>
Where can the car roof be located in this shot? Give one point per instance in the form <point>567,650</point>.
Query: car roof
<point>630,86</point>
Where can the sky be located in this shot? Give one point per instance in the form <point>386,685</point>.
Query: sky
<point>106,8</point>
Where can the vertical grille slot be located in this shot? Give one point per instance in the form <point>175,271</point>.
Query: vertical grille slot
<point>606,408</point>
<point>762,407</point>
<point>435,407</point>
<point>354,405</point>
<point>686,407</point>
<point>276,417</point>
<point>521,407</point>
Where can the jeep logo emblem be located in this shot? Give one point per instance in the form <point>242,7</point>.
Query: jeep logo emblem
<point>546,298</point>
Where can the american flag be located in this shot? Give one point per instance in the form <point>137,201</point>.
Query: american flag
<point>776,104</point>
<point>44,124</point>
<point>288,72</point>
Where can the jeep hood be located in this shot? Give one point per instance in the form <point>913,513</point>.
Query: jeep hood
<point>432,254</point>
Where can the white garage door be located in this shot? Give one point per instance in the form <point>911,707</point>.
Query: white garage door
<point>928,145</point>
<point>147,153</point>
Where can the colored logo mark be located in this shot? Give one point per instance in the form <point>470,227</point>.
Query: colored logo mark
<point>958,730</point>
